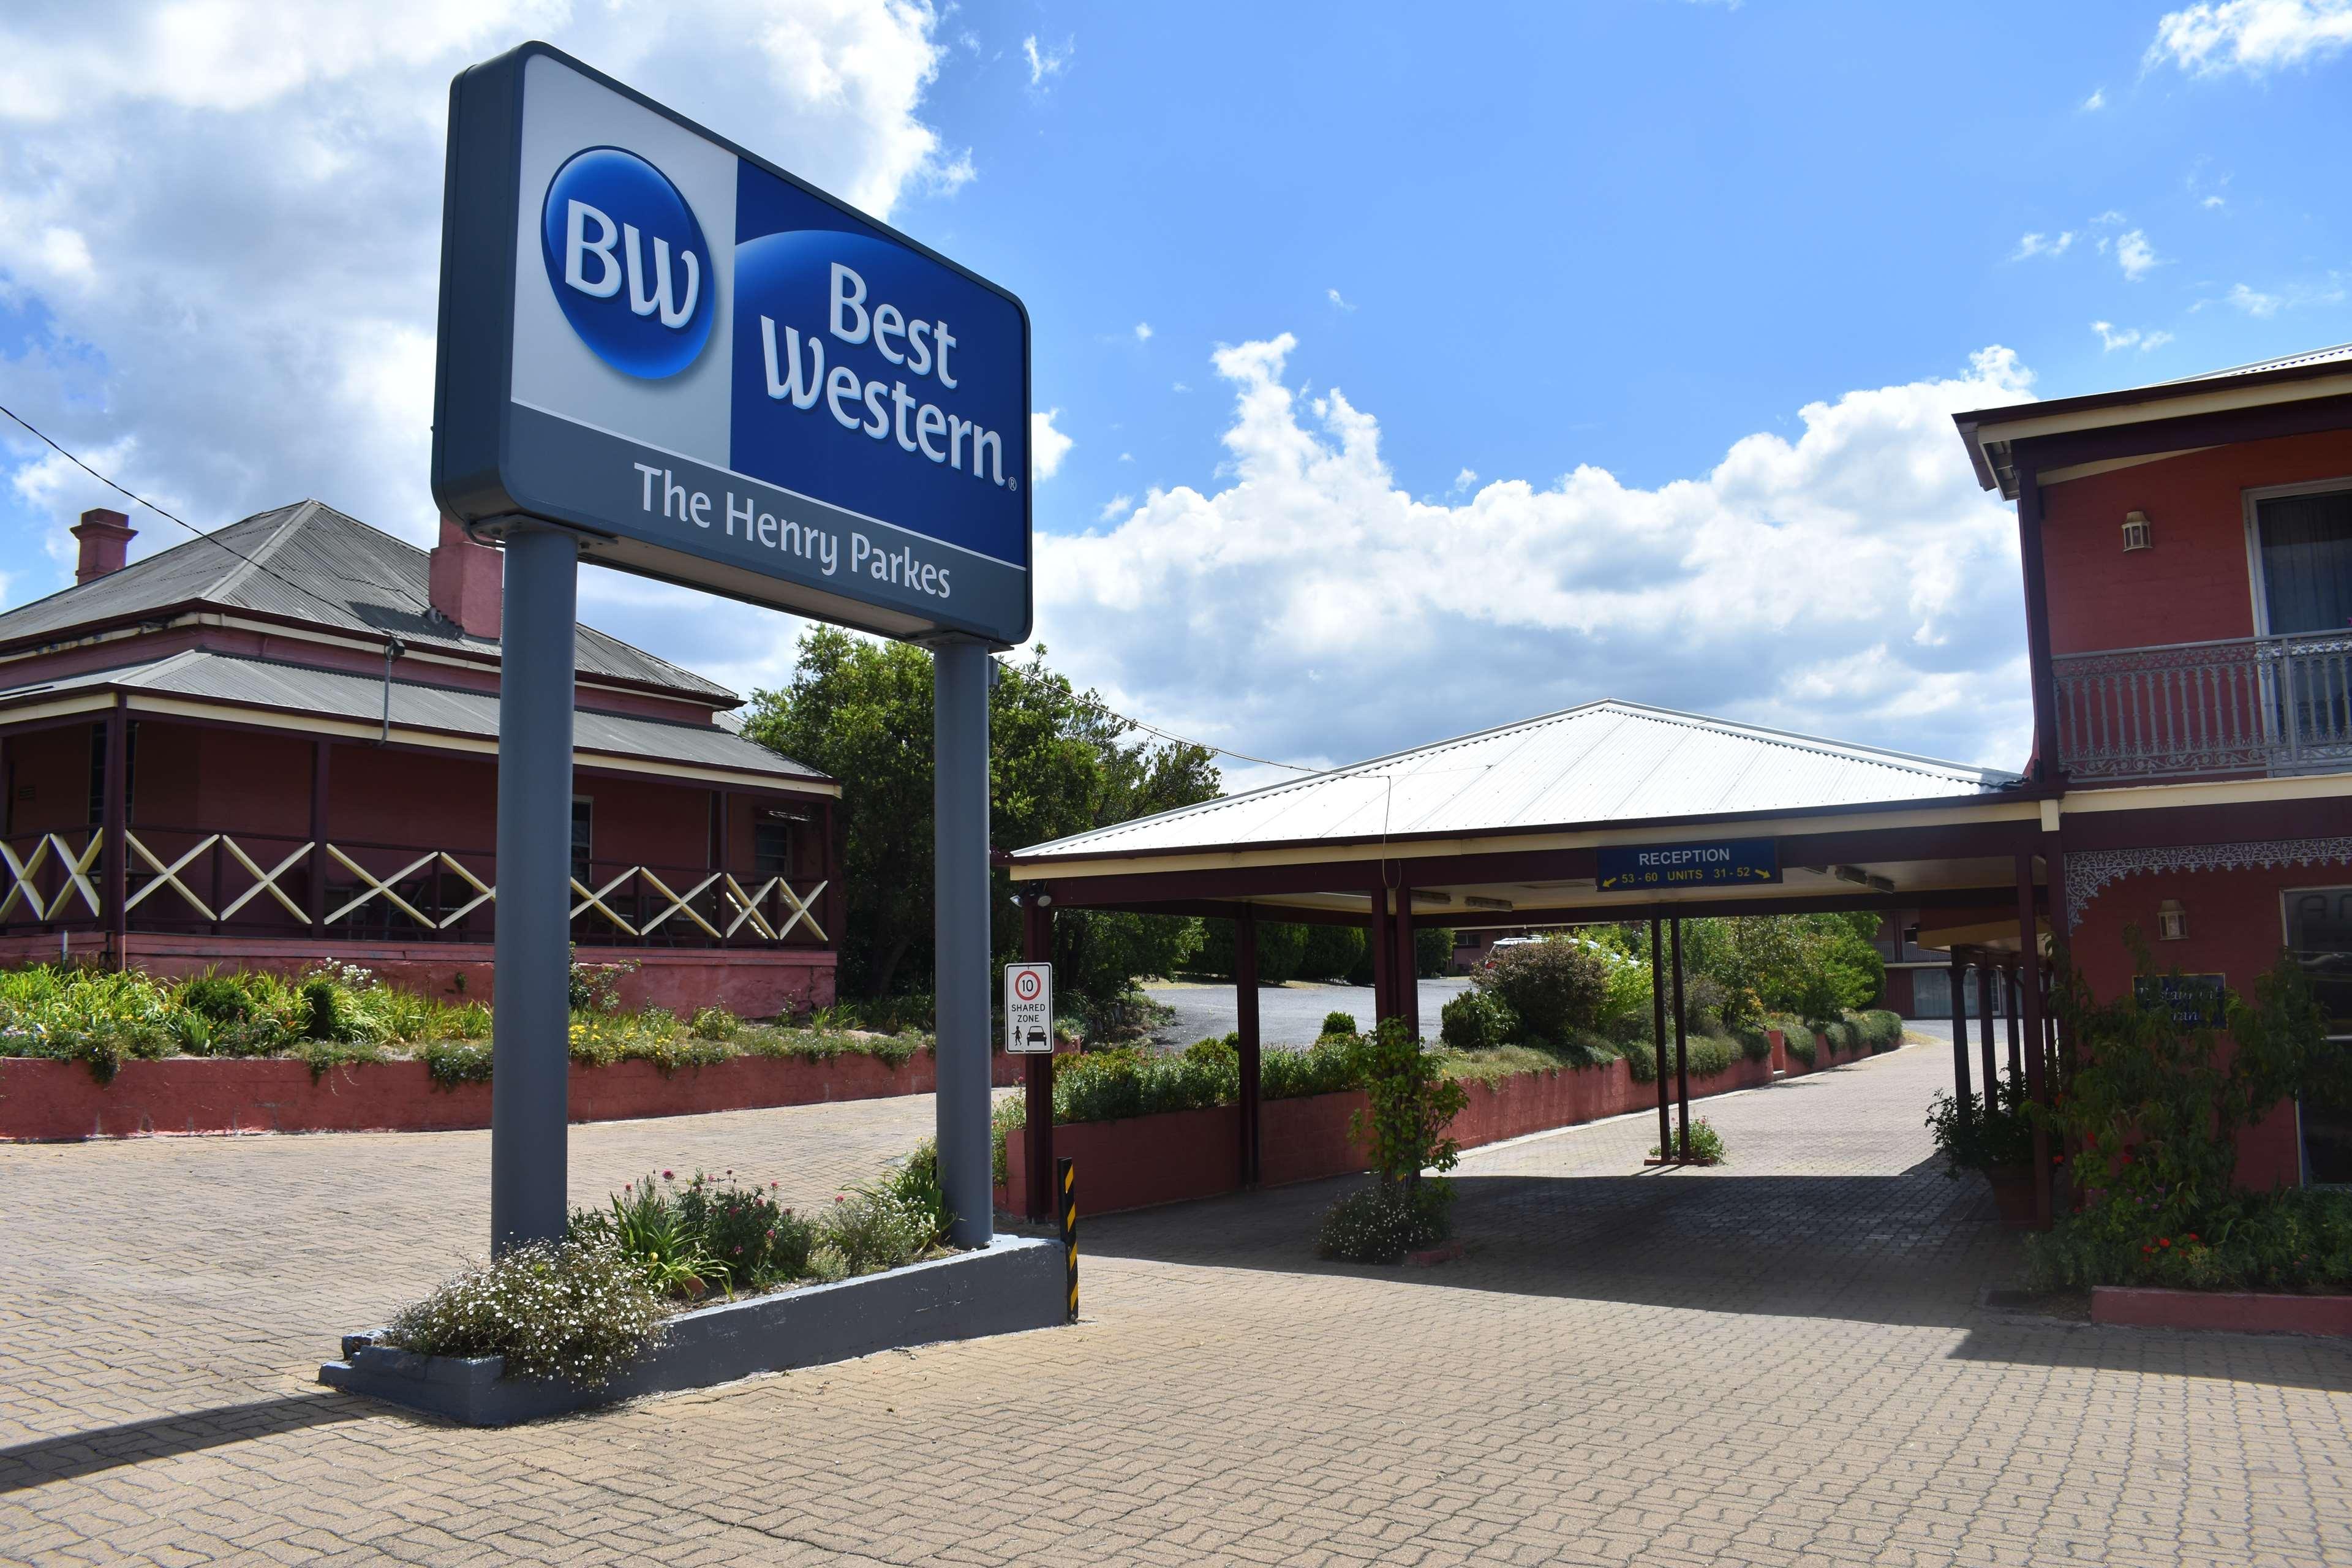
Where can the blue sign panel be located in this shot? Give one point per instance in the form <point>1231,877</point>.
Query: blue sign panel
<point>2200,1001</point>
<point>719,374</point>
<point>1656,867</point>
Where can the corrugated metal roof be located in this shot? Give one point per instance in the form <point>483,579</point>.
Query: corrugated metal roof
<point>207,676</point>
<point>309,562</point>
<point>1603,762</point>
<point>2341,352</point>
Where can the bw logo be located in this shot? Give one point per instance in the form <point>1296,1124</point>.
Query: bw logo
<point>628,262</point>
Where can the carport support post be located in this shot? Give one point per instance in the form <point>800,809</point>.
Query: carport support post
<point>1960,1086</point>
<point>1658,1032</point>
<point>2012,981</point>
<point>1037,1071</point>
<point>1404,975</point>
<point>530,1030</point>
<point>1984,1028</point>
<point>1682,1044</point>
<point>1245,1026</point>
<point>960,669</point>
<point>2029,945</point>
<point>1384,955</point>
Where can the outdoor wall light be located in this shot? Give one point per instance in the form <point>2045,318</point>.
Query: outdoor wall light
<point>2136,531</point>
<point>2171,922</point>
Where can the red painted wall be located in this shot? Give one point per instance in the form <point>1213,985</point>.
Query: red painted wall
<point>48,780</point>
<point>2193,584</point>
<point>2236,929</point>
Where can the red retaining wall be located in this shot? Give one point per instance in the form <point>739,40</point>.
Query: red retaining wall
<point>2241,1310</point>
<point>1180,1154</point>
<point>51,1101</point>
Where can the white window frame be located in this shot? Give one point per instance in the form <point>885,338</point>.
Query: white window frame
<point>2250,502</point>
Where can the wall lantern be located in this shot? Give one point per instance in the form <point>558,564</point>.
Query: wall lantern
<point>2136,531</point>
<point>2171,922</point>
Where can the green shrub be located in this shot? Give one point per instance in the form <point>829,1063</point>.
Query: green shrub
<point>452,1062</point>
<point>1409,1105</point>
<point>1971,1140</point>
<point>1706,1054</point>
<point>1327,1067</point>
<point>1213,1051</point>
<point>215,998</point>
<point>1432,950</point>
<point>1332,952</point>
<point>915,1183</point>
<point>1706,1145</point>
<point>579,1311</point>
<point>1879,1029</point>
<point>713,1022</point>
<point>1551,987</point>
<point>97,1017</point>
<point>876,1228</point>
<point>322,1012</point>
<point>761,1243</point>
<point>1476,1020</point>
<point>1753,1042</point>
<point>1337,1023</point>
<point>1381,1223</point>
<point>596,987</point>
<point>2298,1238</point>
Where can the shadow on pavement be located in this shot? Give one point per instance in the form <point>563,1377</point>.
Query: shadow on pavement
<point>77,1454</point>
<point>1910,1249</point>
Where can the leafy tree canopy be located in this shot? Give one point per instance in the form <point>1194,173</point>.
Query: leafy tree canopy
<point>1059,763</point>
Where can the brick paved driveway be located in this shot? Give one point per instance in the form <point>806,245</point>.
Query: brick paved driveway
<point>1778,1362</point>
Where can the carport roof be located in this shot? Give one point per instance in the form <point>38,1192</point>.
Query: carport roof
<point>1604,762</point>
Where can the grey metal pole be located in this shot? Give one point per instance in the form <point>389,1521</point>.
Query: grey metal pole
<point>959,810</point>
<point>530,1037</point>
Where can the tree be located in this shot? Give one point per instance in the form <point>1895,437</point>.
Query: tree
<point>1433,949</point>
<point>1059,763</point>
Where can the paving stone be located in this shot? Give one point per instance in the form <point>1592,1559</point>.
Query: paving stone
<point>1778,1362</point>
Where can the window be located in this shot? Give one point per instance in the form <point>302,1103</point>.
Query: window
<point>2307,555</point>
<point>771,845</point>
<point>2319,934</point>
<point>583,839</point>
<point>98,771</point>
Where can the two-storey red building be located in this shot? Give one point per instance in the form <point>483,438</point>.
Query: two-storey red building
<point>2188,563</point>
<point>277,744</point>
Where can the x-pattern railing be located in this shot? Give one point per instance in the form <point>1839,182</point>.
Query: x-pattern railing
<point>717,905</point>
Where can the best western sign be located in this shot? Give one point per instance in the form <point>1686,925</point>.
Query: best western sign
<point>723,376</point>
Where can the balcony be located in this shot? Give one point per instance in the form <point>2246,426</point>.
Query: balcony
<point>2241,706</point>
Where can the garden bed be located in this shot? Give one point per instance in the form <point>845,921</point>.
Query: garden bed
<point>1140,1160</point>
<point>42,1100</point>
<point>2239,1311</point>
<point>1014,1283</point>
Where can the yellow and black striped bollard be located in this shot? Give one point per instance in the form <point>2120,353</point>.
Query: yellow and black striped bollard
<point>1065,1177</point>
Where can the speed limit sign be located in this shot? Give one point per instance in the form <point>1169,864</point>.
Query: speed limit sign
<point>1029,1008</point>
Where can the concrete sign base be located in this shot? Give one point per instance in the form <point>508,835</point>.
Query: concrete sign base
<point>1014,1283</point>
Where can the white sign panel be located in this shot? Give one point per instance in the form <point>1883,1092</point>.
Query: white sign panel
<point>1029,1008</point>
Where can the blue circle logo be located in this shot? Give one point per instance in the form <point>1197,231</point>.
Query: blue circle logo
<point>628,262</point>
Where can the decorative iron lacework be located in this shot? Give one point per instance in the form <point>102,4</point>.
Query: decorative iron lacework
<point>2090,870</point>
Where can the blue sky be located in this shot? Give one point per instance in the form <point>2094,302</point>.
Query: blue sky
<point>1414,377</point>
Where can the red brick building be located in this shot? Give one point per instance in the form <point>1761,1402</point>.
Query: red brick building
<point>279,743</point>
<point>2187,561</point>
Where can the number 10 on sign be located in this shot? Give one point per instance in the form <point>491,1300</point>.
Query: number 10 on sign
<point>1029,1008</point>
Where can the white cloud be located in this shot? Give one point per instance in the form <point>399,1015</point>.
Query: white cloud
<point>1179,386</point>
<point>1126,456</point>
<point>1465,480</point>
<point>1218,612</point>
<point>1113,506</point>
<point>2254,302</point>
<point>2211,202</point>
<point>2097,101</point>
<point>2039,243</point>
<point>1047,446</point>
<point>1333,295</point>
<point>224,218</point>
<point>2134,255</point>
<point>2255,36</point>
<point>1047,62</point>
<point>1143,331</point>
<point>2110,338</point>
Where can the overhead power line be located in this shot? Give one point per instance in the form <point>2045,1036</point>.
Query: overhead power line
<point>215,540</point>
<point>201,534</point>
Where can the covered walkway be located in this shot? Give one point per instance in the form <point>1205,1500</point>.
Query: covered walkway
<point>1609,811</point>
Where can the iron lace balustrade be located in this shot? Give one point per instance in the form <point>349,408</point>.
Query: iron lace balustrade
<point>2242,705</point>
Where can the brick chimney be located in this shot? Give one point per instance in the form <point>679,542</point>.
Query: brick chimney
<point>106,539</point>
<point>467,581</point>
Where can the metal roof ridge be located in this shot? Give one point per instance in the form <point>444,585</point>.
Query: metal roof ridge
<point>2276,362</point>
<point>1849,751</point>
<point>251,561</point>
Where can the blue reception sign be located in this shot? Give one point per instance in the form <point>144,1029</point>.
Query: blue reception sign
<point>1724,862</point>
<point>719,374</point>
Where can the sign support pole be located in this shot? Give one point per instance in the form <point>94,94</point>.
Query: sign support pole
<point>1038,1074</point>
<point>960,669</point>
<point>1658,1031</point>
<point>531,1041</point>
